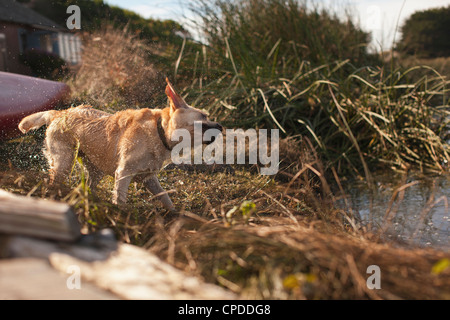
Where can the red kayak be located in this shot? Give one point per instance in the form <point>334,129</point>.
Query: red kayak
<point>21,95</point>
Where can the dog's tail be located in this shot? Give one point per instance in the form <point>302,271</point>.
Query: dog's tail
<point>36,120</point>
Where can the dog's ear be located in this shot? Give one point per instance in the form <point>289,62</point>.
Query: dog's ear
<point>176,102</point>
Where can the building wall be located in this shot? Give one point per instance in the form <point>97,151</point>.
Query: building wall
<point>69,47</point>
<point>2,52</point>
<point>13,48</point>
<point>19,37</point>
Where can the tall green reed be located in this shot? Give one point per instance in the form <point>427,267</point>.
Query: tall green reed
<point>280,64</point>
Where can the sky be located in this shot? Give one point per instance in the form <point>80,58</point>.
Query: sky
<point>380,17</point>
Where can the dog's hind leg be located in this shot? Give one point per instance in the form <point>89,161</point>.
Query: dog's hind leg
<point>153,185</point>
<point>60,157</point>
<point>95,175</point>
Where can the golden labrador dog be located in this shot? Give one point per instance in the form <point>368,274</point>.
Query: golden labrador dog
<point>130,144</point>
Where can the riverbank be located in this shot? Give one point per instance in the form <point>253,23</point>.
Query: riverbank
<point>259,237</point>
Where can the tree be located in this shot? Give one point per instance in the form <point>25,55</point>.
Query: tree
<point>427,33</point>
<point>95,13</point>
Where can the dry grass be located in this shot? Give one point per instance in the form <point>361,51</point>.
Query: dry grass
<point>274,258</point>
<point>441,65</point>
<point>260,237</point>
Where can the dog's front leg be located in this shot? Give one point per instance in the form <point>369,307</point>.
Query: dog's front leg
<point>153,185</point>
<point>121,183</point>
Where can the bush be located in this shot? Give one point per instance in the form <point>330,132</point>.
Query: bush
<point>426,34</point>
<point>44,64</point>
<point>275,31</point>
<point>96,12</point>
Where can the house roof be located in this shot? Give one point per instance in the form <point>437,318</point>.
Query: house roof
<point>12,11</point>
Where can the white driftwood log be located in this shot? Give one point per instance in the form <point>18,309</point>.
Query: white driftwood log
<point>127,271</point>
<point>133,273</point>
<point>39,218</point>
<point>26,247</point>
<point>33,278</point>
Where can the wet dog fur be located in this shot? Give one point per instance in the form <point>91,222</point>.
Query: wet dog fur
<point>128,145</point>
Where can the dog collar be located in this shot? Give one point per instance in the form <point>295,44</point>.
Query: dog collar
<point>162,134</point>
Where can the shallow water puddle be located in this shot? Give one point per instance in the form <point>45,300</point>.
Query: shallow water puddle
<point>419,214</point>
